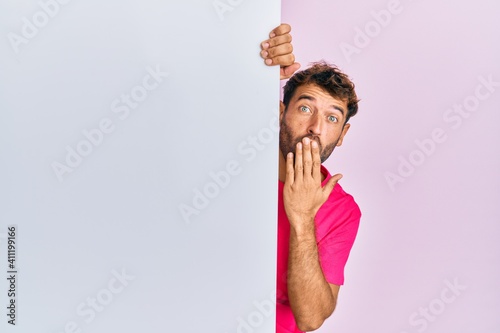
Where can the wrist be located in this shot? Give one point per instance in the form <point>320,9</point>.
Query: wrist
<point>302,226</point>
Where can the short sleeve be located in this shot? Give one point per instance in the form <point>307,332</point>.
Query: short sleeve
<point>337,227</point>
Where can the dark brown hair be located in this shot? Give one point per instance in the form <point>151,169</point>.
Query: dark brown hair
<point>329,78</point>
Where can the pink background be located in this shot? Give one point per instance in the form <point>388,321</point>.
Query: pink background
<point>440,222</point>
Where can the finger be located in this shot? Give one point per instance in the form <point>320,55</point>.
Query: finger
<point>279,50</point>
<point>289,169</point>
<point>265,45</point>
<point>282,29</point>
<point>287,72</point>
<point>307,157</point>
<point>316,161</point>
<point>299,167</point>
<point>283,60</point>
<point>328,188</point>
<point>276,41</point>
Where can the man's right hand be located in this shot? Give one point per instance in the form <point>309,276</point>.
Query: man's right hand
<point>278,50</point>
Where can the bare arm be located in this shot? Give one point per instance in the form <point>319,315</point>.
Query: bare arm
<point>311,297</point>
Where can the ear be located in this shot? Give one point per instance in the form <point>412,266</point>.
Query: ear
<point>342,134</point>
<point>282,110</point>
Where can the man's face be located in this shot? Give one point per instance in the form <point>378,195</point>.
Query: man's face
<point>313,113</point>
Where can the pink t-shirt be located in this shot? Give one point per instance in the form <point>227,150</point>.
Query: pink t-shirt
<point>337,224</point>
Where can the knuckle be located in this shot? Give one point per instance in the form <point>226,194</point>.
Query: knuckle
<point>280,60</point>
<point>285,39</point>
<point>286,27</point>
<point>282,49</point>
<point>286,60</point>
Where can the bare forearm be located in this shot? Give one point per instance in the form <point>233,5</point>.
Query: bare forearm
<point>309,293</point>
<point>311,297</point>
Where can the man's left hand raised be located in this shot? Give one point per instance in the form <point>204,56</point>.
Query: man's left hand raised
<point>303,194</point>
<point>278,50</point>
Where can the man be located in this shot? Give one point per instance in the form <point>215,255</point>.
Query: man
<point>317,220</point>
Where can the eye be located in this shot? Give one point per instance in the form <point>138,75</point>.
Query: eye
<point>333,119</point>
<point>305,109</point>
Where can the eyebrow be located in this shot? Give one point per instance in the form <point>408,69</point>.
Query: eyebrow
<point>312,99</point>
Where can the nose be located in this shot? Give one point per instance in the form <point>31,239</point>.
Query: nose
<point>315,125</point>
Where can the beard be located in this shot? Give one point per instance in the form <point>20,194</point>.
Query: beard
<point>288,142</point>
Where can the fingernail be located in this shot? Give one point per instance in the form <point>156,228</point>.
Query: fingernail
<point>299,145</point>
<point>269,61</point>
<point>306,141</point>
<point>314,144</point>
<point>264,54</point>
<point>265,45</point>
<point>272,34</point>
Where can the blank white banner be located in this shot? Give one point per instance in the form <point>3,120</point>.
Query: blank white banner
<point>138,144</point>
